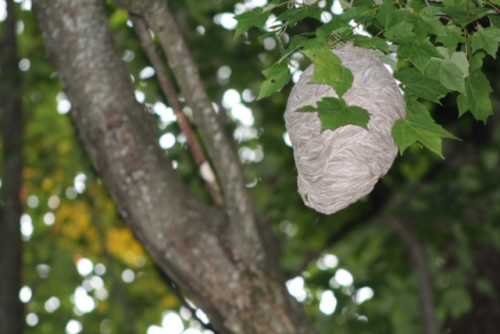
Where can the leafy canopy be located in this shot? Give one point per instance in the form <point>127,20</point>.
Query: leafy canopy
<point>439,49</point>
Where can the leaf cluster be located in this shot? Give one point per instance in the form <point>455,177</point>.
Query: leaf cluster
<point>438,49</point>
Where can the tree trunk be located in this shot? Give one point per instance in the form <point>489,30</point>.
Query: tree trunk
<point>217,256</point>
<point>11,308</point>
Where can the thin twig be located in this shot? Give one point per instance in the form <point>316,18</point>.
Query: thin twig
<point>220,148</point>
<point>419,260</point>
<point>168,89</point>
<point>381,201</point>
<point>332,240</point>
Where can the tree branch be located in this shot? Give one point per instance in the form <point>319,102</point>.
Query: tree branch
<point>220,148</point>
<point>168,89</point>
<point>120,138</point>
<point>222,266</point>
<point>244,235</point>
<point>381,214</point>
<point>384,202</point>
<point>96,213</point>
<point>180,297</point>
<point>381,200</point>
<point>418,257</point>
<point>11,308</point>
<point>312,256</point>
<point>408,237</point>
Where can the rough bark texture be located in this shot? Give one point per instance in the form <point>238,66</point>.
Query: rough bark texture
<point>11,308</point>
<point>168,88</point>
<point>221,263</point>
<point>220,149</point>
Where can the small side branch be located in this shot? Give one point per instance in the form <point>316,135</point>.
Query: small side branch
<point>220,147</point>
<point>243,235</point>
<point>332,240</point>
<point>381,201</point>
<point>168,89</point>
<point>418,257</point>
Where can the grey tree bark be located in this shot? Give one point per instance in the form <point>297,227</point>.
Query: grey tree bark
<point>220,148</point>
<point>11,308</point>
<point>217,256</point>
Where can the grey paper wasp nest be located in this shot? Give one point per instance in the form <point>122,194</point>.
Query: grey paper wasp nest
<point>337,168</point>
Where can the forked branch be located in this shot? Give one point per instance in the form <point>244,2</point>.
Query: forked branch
<point>168,89</point>
<point>219,146</point>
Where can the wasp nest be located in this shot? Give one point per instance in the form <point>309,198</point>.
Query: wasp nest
<point>337,168</point>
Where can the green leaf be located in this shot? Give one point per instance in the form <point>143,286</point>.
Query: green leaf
<point>371,43</point>
<point>300,42</point>
<point>477,60</point>
<point>427,22</point>
<point>444,52</point>
<point>477,97</point>
<point>418,53</point>
<point>256,18</point>
<point>361,13</point>
<point>294,15</point>
<point>451,76</point>
<point>463,105</point>
<point>450,36</point>
<point>338,26</point>
<point>464,12</point>
<point>417,5</point>
<point>386,14</point>
<point>401,32</point>
<point>495,19</point>
<point>433,67</point>
<point>328,70</point>
<point>277,76</point>
<point>460,59</point>
<point>486,39</point>
<point>335,113</point>
<point>419,85</point>
<point>419,127</point>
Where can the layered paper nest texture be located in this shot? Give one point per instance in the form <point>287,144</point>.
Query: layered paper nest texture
<point>337,168</point>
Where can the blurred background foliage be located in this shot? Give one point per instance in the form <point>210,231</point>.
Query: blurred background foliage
<point>85,273</point>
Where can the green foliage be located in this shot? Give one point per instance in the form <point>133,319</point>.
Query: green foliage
<point>371,43</point>
<point>464,12</point>
<point>453,204</point>
<point>477,97</point>
<point>295,15</point>
<point>435,44</point>
<point>451,76</point>
<point>419,126</point>
<point>277,76</point>
<point>421,86</point>
<point>256,18</point>
<point>486,39</point>
<point>335,113</point>
<point>328,70</point>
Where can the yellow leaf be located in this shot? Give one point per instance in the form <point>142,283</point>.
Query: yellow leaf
<point>121,243</point>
